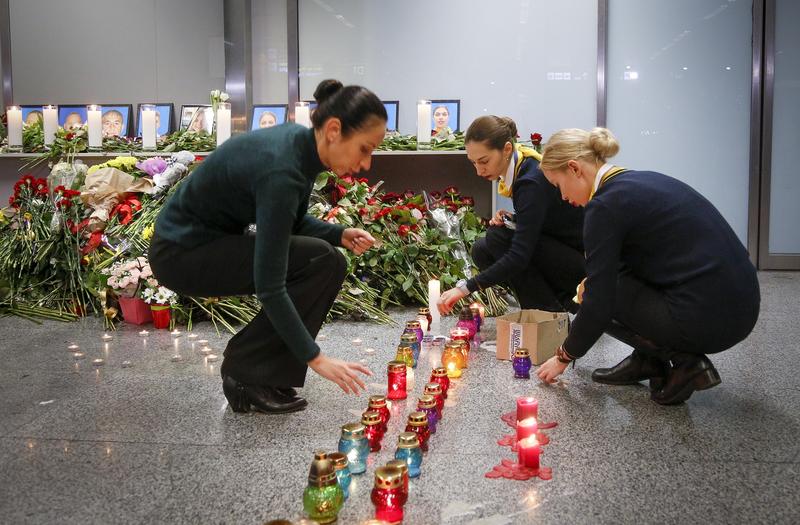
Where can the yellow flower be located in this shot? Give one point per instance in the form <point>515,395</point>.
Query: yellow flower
<point>123,163</point>
<point>96,167</point>
<point>147,233</point>
<point>28,216</point>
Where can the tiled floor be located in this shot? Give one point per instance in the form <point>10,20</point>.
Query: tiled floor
<point>156,443</point>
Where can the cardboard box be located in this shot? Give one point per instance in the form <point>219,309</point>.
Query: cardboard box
<point>539,331</point>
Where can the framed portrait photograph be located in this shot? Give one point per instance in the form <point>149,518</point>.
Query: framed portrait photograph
<point>164,120</point>
<point>31,114</point>
<point>392,110</point>
<point>116,119</point>
<point>198,117</point>
<point>268,115</point>
<point>445,113</point>
<point>70,116</point>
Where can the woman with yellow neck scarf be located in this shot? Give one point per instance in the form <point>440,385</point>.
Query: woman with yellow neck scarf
<point>538,250</point>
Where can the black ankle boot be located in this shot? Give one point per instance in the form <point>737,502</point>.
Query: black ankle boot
<point>689,373</point>
<point>634,368</point>
<point>264,399</point>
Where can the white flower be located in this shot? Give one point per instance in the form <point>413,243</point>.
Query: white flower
<point>223,96</point>
<point>416,214</point>
<point>215,93</point>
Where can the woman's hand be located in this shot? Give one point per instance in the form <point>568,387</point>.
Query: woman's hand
<point>357,240</point>
<point>551,369</point>
<point>342,373</point>
<point>448,299</point>
<point>497,220</point>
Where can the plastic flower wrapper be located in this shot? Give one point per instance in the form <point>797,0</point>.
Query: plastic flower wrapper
<point>105,188</point>
<point>175,168</point>
<point>449,225</point>
<point>152,166</point>
<point>66,174</point>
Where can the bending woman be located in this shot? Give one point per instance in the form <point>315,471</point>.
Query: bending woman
<point>660,261</point>
<point>265,177</point>
<point>542,257</point>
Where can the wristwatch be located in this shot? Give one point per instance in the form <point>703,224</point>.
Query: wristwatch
<point>462,285</point>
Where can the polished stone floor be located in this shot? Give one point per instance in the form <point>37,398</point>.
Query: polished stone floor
<point>155,442</point>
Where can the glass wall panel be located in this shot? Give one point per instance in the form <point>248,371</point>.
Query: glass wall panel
<point>270,80</point>
<point>784,216</point>
<point>532,60</point>
<point>678,75</point>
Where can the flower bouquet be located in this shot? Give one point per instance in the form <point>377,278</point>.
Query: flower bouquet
<point>161,300</point>
<point>129,279</point>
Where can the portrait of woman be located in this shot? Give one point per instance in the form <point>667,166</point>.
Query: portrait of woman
<point>268,115</point>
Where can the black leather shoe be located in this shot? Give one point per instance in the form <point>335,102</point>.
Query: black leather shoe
<point>634,368</point>
<point>264,399</point>
<point>691,373</point>
<point>287,392</point>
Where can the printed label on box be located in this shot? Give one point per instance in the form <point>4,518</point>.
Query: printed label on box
<point>516,334</point>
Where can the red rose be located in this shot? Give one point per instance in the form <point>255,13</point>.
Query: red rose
<point>27,179</point>
<point>436,195</point>
<point>371,201</point>
<point>69,136</point>
<point>403,230</point>
<point>408,194</point>
<point>363,211</point>
<point>363,180</point>
<point>536,139</point>
<point>468,201</point>
<point>347,179</point>
<point>451,189</point>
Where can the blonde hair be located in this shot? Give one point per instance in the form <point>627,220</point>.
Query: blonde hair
<point>578,144</point>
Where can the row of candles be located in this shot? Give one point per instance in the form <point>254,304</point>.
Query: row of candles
<point>330,474</point>
<point>95,126</point>
<point>205,350</point>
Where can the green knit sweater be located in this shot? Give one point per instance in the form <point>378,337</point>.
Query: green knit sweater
<point>263,177</point>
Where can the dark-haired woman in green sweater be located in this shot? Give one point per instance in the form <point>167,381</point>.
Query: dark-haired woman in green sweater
<point>265,177</point>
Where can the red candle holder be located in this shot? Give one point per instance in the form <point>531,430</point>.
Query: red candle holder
<point>402,466</point>
<point>418,423</point>
<point>435,390</point>
<point>439,375</point>
<point>387,494</point>
<point>396,371</point>
<point>373,429</point>
<point>378,404</point>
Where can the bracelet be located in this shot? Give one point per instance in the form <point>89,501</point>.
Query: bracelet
<point>563,356</point>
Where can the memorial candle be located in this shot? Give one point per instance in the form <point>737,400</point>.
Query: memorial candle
<point>95,123</point>
<point>387,494</point>
<point>396,371</point>
<point>526,428</point>
<point>302,114</point>
<point>149,131</point>
<point>527,407</point>
<point>434,292</point>
<point>439,375</point>
<point>14,128</point>
<point>223,122</point>
<point>49,123</point>
<point>528,450</point>
<point>424,126</point>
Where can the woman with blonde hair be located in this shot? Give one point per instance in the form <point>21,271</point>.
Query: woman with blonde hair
<point>661,263</point>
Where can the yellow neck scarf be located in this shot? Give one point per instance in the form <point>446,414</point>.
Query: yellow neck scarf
<point>523,152</point>
<point>610,174</point>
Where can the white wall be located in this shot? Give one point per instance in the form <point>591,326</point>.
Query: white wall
<point>116,51</point>
<point>270,78</point>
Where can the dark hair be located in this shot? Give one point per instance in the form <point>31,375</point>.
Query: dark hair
<point>354,106</point>
<point>493,130</point>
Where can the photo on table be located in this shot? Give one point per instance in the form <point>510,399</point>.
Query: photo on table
<point>268,115</point>
<point>31,114</point>
<point>71,116</point>
<point>445,114</point>
<point>392,111</point>
<point>197,117</point>
<point>116,119</point>
<point>164,120</point>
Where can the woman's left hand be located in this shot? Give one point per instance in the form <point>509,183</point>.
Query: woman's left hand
<point>551,369</point>
<point>448,299</point>
<point>357,240</point>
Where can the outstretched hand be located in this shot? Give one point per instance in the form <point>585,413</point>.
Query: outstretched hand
<point>343,373</point>
<point>357,240</point>
<point>448,299</point>
<point>551,369</point>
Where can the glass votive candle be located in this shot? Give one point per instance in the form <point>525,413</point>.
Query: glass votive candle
<point>396,371</point>
<point>427,404</point>
<point>353,444</point>
<point>453,359</point>
<point>527,407</point>
<point>377,403</point>
<point>409,338</point>
<point>466,321</point>
<point>405,354</point>
<point>387,494</point>
<point>416,327</point>
<point>323,497</point>
<point>408,450</point>
<point>402,466</point>
<point>522,363</point>
<point>439,375</point>
<point>342,467</point>
<point>435,390</point>
<point>372,429</point>
<point>418,423</point>
<point>425,312</point>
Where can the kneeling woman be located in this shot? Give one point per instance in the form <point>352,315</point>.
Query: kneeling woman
<point>265,177</point>
<point>542,257</point>
<point>660,260</point>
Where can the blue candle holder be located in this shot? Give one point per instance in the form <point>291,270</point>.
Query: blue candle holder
<point>408,450</point>
<point>355,446</point>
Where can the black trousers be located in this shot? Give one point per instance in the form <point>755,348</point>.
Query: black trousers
<point>642,319</point>
<point>256,355</point>
<point>549,281</point>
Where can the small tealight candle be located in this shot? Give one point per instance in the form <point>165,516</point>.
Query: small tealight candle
<point>357,341</point>
<point>192,336</point>
<point>78,355</point>
<point>369,350</point>
<point>144,333</point>
<point>176,358</point>
<point>99,362</point>
<point>175,333</point>
<point>527,428</point>
<point>107,337</point>
<point>202,342</point>
<point>127,364</point>
<point>212,358</point>
<point>206,350</point>
<point>73,347</point>
<point>529,451</point>
<point>527,407</point>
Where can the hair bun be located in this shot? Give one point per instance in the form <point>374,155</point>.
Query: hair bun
<point>603,143</point>
<point>510,125</point>
<point>326,89</point>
